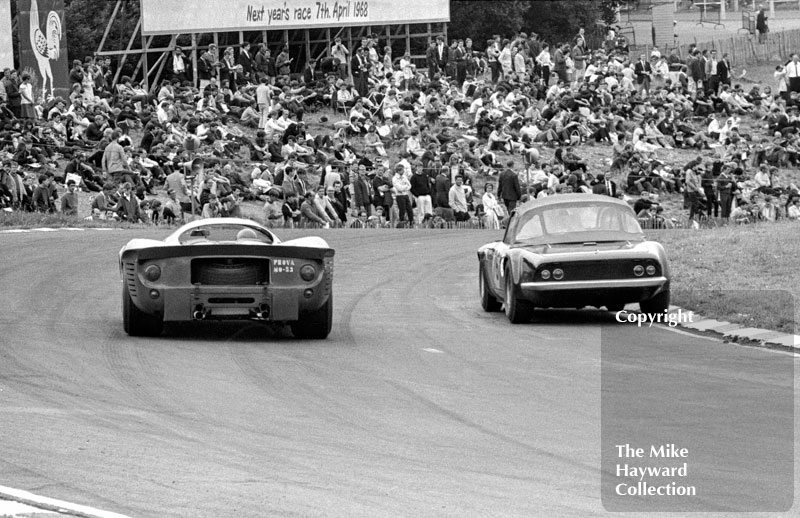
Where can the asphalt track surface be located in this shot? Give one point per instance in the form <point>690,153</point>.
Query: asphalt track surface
<point>418,404</point>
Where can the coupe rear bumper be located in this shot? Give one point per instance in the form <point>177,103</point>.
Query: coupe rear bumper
<point>577,294</point>
<point>645,282</point>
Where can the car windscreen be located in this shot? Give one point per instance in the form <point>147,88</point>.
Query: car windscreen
<point>225,233</point>
<point>568,223</point>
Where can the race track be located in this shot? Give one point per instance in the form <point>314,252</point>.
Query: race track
<point>418,404</point>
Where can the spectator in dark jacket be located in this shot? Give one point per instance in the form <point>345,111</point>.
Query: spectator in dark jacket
<point>441,189</point>
<point>508,189</point>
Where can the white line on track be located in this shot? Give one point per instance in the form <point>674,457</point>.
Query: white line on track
<point>12,508</point>
<point>51,504</point>
<point>432,350</point>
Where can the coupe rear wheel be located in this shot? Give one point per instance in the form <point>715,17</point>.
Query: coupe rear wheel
<point>136,322</point>
<point>518,311</point>
<point>658,304</point>
<point>489,302</point>
<point>315,325</point>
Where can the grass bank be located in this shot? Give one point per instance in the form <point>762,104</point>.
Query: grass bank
<point>25,220</point>
<point>748,274</point>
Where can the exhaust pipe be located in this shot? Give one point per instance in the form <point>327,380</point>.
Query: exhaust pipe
<point>199,312</point>
<point>263,311</point>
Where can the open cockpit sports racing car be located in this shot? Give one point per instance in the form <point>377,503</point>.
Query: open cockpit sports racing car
<point>572,251</point>
<point>227,269</point>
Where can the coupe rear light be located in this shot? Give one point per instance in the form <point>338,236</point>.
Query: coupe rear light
<point>651,270</point>
<point>152,273</point>
<point>638,270</point>
<point>308,272</point>
<point>545,275</point>
<point>558,274</point>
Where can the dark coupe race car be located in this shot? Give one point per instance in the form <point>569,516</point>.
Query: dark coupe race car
<point>572,251</point>
<point>227,268</point>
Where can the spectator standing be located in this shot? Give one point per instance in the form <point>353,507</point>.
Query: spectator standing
<point>579,58</point>
<point>401,187</point>
<point>261,63</point>
<point>421,190</point>
<point>340,53</point>
<point>792,74</point>
<point>508,188</point>
<point>362,191</point>
<point>560,64</point>
<point>642,69</point>
<point>545,63</point>
<point>115,160</point>
<point>492,56</point>
<point>725,188</point>
<point>506,60</point>
<point>457,199</point>
<point>208,66</point>
<point>179,66</point>
<point>441,188</point>
<point>382,188</point>
<point>432,61</point>
<point>709,185</point>
<point>283,62</point>
<point>694,191</point>
<point>176,182</point>
<point>245,61</point>
<point>712,73</point>
<point>264,100</point>
<point>360,70</point>
<point>12,92</point>
<point>761,24</point>
<point>491,209</point>
<point>442,54</point>
<point>27,110</point>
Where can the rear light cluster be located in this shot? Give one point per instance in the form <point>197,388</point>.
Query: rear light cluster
<point>308,272</point>
<point>556,274</point>
<point>585,271</point>
<point>648,268</point>
<point>152,273</point>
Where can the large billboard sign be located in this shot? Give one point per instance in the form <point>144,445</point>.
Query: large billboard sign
<point>43,46</point>
<point>6,44</point>
<point>188,16</point>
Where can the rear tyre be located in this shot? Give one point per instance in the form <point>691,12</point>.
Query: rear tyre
<point>315,325</point>
<point>489,302</point>
<point>136,322</point>
<point>658,304</point>
<point>518,311</point>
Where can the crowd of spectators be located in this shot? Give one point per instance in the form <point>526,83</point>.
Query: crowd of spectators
<point>461,141</point>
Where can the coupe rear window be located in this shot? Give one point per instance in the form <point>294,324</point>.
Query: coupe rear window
<point>563,220</point>
<point>222,233</point>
